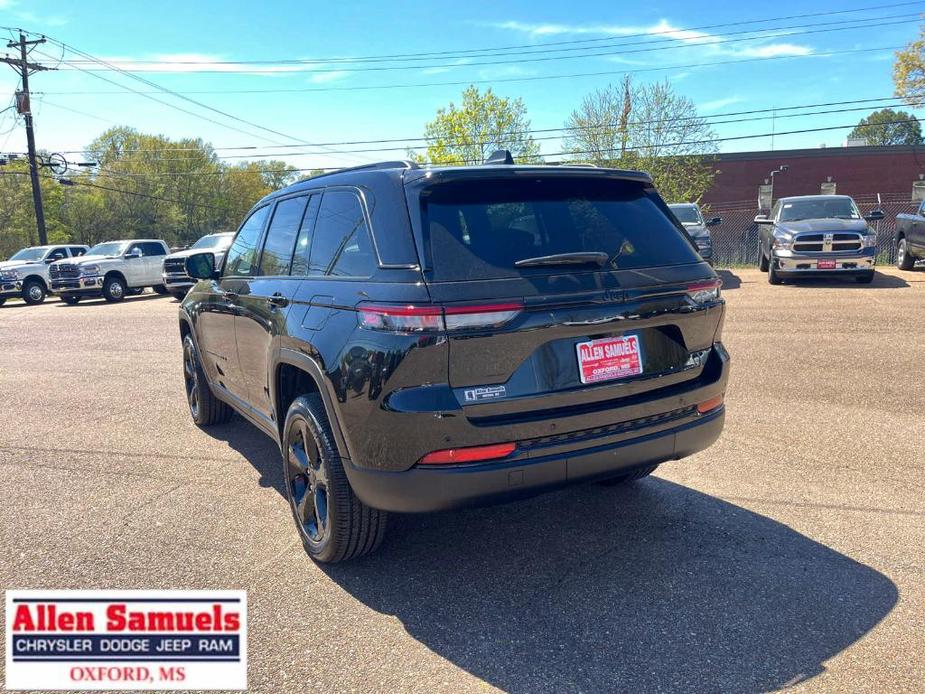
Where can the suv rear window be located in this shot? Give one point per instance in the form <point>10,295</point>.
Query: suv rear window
<point>478,229</point>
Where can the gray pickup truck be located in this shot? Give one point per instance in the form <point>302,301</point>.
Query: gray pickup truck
<point>817,236</point>
<point>910,238</point>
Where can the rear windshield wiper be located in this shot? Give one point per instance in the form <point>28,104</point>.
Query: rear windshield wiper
<point>598,258</point>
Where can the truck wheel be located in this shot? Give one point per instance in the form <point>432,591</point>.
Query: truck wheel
<point>70,300</point>
<point>866,278</point>
<point>159,289</point>
<point>204,407</point>
<point>904,259</point>
<point>33,292</point>
<point>762,261</point>
<point>135,291</point>
<point>114,289</point>
<point>637,474</point>
<point>179,296</point>
<point>333,523</point>
<point>773,277</point>
<point>2,300</point>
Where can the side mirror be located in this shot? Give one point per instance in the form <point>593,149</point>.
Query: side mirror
<point>715,221</point>
<point>134,253</point>
<point>874,216</point>
<point>762,219</point>
<point>201,266</point>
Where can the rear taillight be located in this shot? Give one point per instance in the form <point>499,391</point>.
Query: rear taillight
<point>710,405</point>
<point>434,318</point>
<point>472,454</point>
<point>704,292</point>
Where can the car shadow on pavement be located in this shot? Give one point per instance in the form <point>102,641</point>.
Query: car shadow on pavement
<point>100,301</point>
<point>654,586</point>
<point>255,447</point>
<point>730,279</point>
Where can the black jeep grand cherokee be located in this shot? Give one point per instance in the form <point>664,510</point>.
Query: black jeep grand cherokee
<point>420,339</point>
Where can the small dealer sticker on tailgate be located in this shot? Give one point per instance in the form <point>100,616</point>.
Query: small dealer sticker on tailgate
<point>609,358</point>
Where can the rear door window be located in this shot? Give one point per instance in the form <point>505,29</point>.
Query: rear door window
<point>151,248</point>
<point>77,251</point>
<point>341,245</point>
<point>479,229</point>
<point>281,236</point>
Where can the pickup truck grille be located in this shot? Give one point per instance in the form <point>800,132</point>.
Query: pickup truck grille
<point>63,270</point>
<point>175,266</point>
<point>827,243</point>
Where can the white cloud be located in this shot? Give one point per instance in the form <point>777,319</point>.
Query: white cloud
<point>712,44</point>
<point>192,62</point>
<point>717,104</point>
<point>322,77</point>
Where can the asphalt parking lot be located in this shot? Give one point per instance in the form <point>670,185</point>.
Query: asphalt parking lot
<point>790,553</point>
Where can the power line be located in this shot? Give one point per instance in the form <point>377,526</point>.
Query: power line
<point>502,80</point>
<point>719,41</point>
<point>870,103</point>
<point>652,37</point>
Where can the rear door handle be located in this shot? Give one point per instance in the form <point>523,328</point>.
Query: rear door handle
<point>278,300</point>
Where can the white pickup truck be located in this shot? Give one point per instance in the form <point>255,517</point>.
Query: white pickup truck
<point>25,274</point>
<point>113,270</point>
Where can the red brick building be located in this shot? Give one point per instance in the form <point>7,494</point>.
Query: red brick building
<point>861,172</point>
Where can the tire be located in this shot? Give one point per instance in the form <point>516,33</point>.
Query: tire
<point>2,300</point>
<point>773,277</point>
<point>135,291</point>
<point>333,523</point>
<point>762,261</point>
<point>70,300</point>
<point>159,289</point>
<point>114,289</point>
<point>179,296</point>
<point>866,278</point>
<point>632,476</point>
<point>204,407</point>
<point>904,259</point>
<point>33,292</point>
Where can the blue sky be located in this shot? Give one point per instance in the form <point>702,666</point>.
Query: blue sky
<point>327,106</point>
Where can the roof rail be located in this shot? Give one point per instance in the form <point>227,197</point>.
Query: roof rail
<point>398,164</point>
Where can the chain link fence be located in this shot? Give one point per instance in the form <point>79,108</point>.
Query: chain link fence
<point>735,241</point>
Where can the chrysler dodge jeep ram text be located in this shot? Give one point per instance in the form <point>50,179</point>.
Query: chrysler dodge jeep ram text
<point>25,274</point>
<point>174,269</point>
<point>419,339</point>
<point>113,270</point>
<point>694,224</point>
<point>817,236</point>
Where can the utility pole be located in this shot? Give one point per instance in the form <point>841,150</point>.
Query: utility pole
<point>25,68</point>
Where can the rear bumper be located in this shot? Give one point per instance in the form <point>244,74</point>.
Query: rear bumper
<point>424,489</point>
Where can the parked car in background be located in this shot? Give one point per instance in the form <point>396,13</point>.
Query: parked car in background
<point>910,238</point>
<point>817,236</point>
<point>25,274</point>
<point>113,270</point>
<point>424,339</point>
<point>691,217</point>
<point>174,270</point>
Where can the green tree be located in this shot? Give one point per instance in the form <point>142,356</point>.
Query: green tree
<point>909,71</point>
<point>889,127</point>
<point>480,125</point>
<point>651,128</point>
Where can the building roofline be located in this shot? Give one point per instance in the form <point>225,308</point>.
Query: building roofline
<point>821,152</point>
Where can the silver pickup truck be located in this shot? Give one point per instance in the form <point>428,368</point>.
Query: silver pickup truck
<point>25,274</point>
<point>176,280</point>
<point>817,236</point>
<point>113,270</point>
<point>910,238</point>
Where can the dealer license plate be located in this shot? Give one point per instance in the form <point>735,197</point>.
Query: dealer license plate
<point>609,358</point>
<point>825,264</point>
